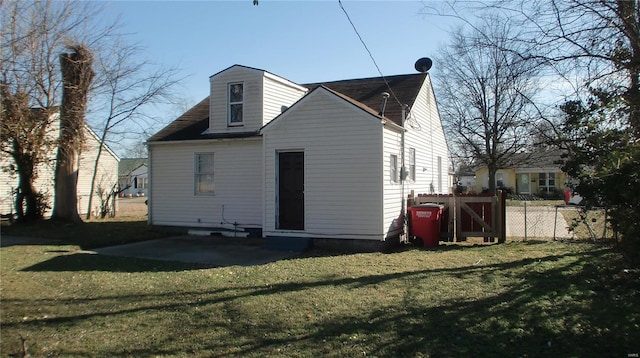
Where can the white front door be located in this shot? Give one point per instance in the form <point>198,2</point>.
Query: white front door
<point>524,185</point>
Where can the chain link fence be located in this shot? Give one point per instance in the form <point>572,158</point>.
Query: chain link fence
<point>545,221</point>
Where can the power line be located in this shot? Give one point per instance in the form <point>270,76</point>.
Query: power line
<point>369,52</point>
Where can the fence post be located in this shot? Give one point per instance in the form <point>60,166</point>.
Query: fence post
<point>502,213</point>
<point>525,220</point>
<point>555,223</point>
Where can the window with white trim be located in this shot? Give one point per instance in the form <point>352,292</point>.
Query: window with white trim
<point>204,182</point>
<point>412,164</point>
<point>236,104</point>
<point>547,181</point>
<point>393,168</point>
<point>139,183</point>
<point>500,180</point>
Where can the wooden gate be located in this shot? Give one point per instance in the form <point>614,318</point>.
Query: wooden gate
<point>474,215</point>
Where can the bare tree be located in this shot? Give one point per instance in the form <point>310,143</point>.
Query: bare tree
<point>77,76</point>
<point>127,86</point>
<point>32,36</point>
<point>485,95</point>
<point>597,42</point>
<point>592,48</point>
<point>27,151</point>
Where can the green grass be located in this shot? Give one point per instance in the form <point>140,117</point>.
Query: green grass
<point>591,226</point>
<point>91,234</point>
<point>511,300</point>
<point>510,202</point>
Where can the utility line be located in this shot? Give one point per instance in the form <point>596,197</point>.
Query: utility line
<point>369,52</point>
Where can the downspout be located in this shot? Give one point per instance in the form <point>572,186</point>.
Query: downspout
<point>403,176</point>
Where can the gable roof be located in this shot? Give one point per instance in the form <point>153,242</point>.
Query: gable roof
<point>128,165</point>
<point>539,157</point>
<point>188,126</point>
<point>368,91</point>
<point>105,146</point>
<point>365,93</point>
<point>340,96</point>
<point>535,158</point>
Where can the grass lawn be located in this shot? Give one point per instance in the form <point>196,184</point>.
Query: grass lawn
<point>91,234</point>
<point>510,300</point>
<point>593,226</point>
<point>510,202</point>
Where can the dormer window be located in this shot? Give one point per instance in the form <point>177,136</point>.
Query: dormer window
<point>236,100</point>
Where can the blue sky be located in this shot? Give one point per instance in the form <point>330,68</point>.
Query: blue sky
<point>303,41</point>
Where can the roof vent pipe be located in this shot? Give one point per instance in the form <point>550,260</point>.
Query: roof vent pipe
<point>383,106</point>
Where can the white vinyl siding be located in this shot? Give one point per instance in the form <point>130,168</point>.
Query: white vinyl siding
<point>426,136</point>
<point>342,168</point>
<point>393,193</point>
<point>279,95</point>
<point>348,188</point>
<point>264,96</point>
<point>238,184</point>
<point>137,180</point>
<point>106,178</point>
<point>251,81</point>
<point>8,182</point>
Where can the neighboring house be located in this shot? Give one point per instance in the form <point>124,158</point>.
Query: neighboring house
<point>133,177</point>
<point>298,160</point>
<point>536,173</point>
<point>106,179</point>
<point>467,182</point>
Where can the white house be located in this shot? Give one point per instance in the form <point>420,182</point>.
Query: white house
<point>294,160</point>
<point>133,177</point>
<point>106,178</point>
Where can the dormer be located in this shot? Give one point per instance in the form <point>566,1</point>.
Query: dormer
<point>243,99</point>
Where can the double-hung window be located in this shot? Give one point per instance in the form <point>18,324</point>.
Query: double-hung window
<point>236,104</point>
<point>139,183</point>
<point>412,164</point>
<point>393,168</point>
<point>546,181</point>
<point>204,182</point>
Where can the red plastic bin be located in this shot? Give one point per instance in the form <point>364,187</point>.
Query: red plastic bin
<point>424,223</point>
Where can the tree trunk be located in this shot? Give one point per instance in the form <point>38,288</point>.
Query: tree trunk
<point>76,78</point>
<point>94,174</point>
<point>27,194</point>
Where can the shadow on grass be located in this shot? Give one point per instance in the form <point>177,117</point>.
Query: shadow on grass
<point>93,262</point>
<point>88,235</point>
<point>570,308</point>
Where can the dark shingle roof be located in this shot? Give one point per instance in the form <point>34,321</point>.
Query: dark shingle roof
<point>188,126</point>
<point>368,91</point>
<point>365,92</point>
<point>127,165</point>
<point>538,157</point>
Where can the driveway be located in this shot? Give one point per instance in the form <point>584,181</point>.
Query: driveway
<point>207,250</point>
<point>541,222</point>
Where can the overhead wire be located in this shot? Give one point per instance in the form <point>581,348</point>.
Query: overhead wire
<point>369,52</point>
